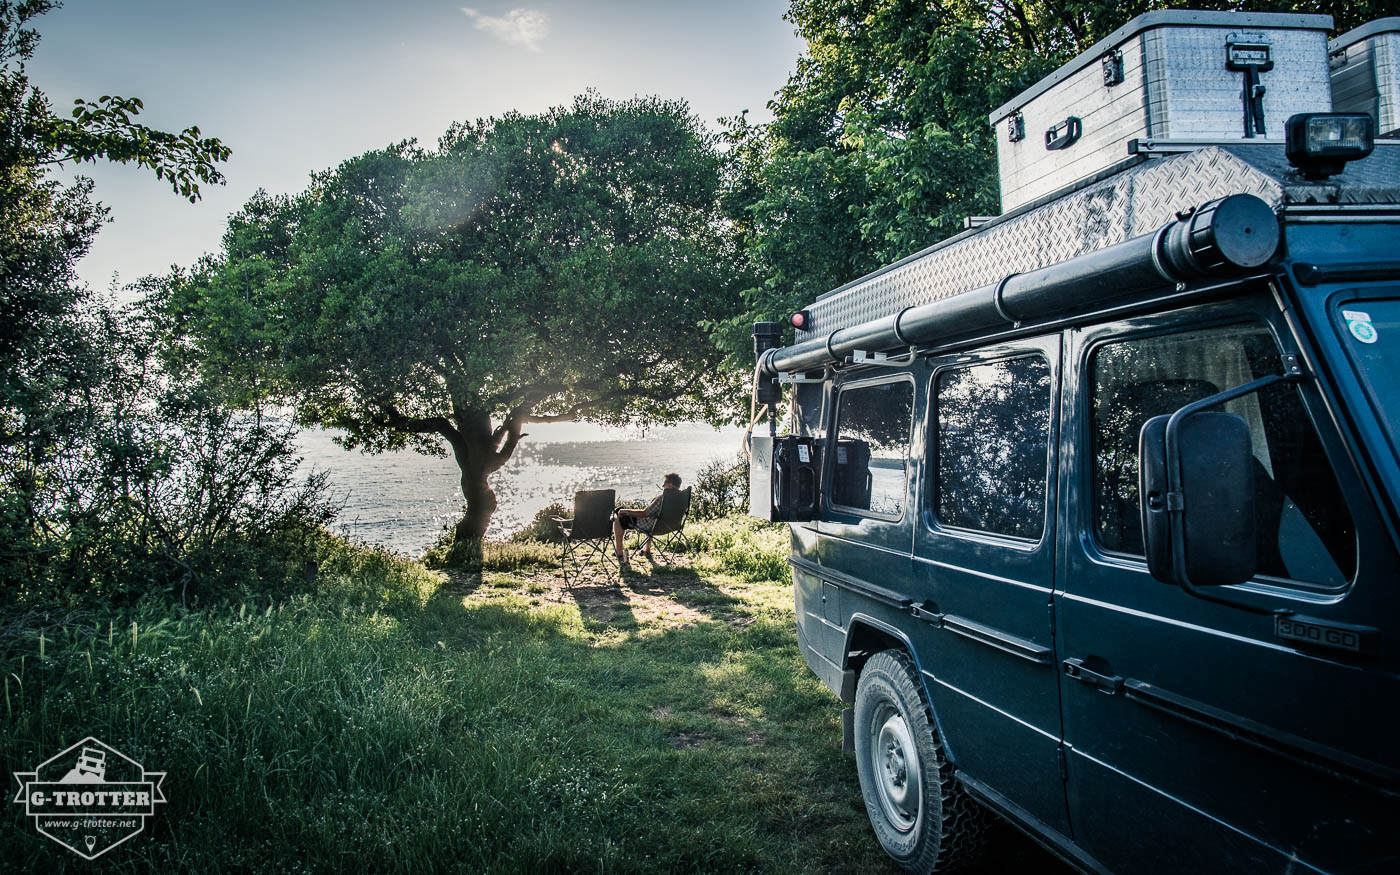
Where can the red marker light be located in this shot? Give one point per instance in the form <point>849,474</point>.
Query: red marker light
<point>800,319</point>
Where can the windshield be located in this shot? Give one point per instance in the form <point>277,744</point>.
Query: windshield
<point>1373,338</point>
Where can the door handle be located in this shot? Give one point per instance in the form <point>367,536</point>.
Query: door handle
<point>1076,669</point>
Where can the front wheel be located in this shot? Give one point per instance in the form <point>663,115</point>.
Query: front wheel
<point>923,819</point>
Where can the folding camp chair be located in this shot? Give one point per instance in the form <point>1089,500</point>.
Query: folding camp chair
<point>589,531</point>
<point>668,534</point>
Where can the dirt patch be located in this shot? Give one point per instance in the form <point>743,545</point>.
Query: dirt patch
<point>683,740</point>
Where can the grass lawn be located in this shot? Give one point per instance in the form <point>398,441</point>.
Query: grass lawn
<point>398,719</point>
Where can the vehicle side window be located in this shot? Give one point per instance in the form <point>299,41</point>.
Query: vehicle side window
<point>872,447</point>
<point>992,445</point>
<point>1305,530</point>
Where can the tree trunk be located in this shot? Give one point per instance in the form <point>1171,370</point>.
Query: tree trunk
<point>479,450</point>
<point>481,504</point>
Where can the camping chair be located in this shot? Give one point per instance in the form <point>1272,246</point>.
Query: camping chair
<point>668,535</point>
<point>589,531</point>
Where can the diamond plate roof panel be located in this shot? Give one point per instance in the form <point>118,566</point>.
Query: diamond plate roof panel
<point>1121,206</point>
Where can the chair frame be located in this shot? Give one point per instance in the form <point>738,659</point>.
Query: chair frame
<point>575,552</point>
<point>669,541</point>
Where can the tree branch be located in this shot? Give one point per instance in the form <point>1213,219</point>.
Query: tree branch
<point>417,424</point>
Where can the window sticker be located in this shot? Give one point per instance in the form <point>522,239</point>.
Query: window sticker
<point>1359,324</point>
<point>840,455</point>
<point>803,454</point>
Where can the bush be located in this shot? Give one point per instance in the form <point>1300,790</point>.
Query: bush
<point>150,485</point>
<point>721,489</point>
<point>543,528</point>
<point>743,546</point>
<point>450,553</point>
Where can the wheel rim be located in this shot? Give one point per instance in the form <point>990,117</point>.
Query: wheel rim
<point>895,765</point>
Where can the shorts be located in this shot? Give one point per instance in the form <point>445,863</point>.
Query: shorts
<point>642,524</point>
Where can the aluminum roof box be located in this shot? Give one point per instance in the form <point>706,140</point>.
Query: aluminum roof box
<point>1366,73</point>
<point>1172,74</point>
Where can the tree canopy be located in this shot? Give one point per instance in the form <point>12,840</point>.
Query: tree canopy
<point>530,268</point>
<point>879,144</point>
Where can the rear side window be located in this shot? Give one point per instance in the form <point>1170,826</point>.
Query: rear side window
<point>1373,339</point>
<point>871,472</point>
<point>991,446</point>
<point>1305,530</point>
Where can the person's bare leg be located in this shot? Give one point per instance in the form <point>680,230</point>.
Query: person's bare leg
<point>619,552</point>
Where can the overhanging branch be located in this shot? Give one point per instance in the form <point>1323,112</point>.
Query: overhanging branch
<point>397,421</point>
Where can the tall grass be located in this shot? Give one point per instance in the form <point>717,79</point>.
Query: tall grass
<point>743,546</point>
<point>393,722</point>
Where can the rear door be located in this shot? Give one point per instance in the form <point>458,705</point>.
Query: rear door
<point>865,523</point>
<point>1210,736</point>
<point>984,571</point>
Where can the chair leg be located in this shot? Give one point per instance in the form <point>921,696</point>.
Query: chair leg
<point>671,544</point>
<point>603,548</point>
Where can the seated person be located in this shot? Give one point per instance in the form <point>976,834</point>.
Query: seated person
<point>639,518</point>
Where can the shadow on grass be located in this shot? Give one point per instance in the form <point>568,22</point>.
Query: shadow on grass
<point>687,587</point>
<point>603,606</point>
<point>684,713</point>
<point>471,733</point>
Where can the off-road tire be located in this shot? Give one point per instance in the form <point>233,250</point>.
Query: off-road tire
<point>947,829</point>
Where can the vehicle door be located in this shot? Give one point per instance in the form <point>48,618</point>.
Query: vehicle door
<point>864,528</point>
<point>984,569</point>
<point>1250,735</point>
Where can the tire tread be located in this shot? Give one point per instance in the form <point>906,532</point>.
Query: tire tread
<point>962,829</point>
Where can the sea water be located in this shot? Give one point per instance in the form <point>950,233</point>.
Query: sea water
<point>404,500</point>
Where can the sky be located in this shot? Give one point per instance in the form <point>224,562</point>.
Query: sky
<point>298,86</point>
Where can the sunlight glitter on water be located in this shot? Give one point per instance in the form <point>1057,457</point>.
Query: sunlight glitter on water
<point>404,500</point>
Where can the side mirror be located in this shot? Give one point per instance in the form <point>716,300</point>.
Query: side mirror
<point>1201,533</point>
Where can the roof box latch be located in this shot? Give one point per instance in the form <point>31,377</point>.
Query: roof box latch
<point>1064,134</point>
<point>1250,59</point>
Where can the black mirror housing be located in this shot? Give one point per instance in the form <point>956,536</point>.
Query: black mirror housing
<point>1204,533</point>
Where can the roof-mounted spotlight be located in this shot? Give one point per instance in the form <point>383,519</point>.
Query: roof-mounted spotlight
<point>801,320</point>
<point>1320,144</point>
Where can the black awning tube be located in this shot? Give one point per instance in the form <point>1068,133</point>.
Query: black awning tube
<point>1236,233</point>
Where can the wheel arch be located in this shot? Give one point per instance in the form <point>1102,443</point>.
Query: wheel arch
<point>867,636</point>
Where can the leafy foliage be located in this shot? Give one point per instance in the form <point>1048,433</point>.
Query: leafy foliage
<point>531,268</point>
<point>543,528</point>
<point>721,489</point>
<point>102,129</point>
<point>880,143</point>
<point>160,489</point>
<point>116,476</point>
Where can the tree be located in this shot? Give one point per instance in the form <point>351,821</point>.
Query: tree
<point>879,144</point>
<point>531,268</point>
<point>45,227</point>
<point>55,367</point>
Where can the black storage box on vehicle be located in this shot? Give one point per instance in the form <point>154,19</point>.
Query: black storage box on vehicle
<point>783,477</point>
